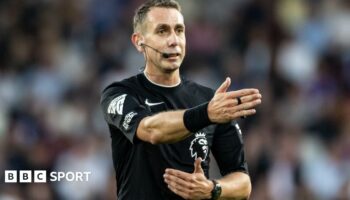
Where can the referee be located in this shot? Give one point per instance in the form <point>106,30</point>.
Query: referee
<point>163,127</point>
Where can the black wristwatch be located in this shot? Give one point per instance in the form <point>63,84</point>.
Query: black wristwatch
<point>216,192</point>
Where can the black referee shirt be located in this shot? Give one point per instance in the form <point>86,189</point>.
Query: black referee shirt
<point>140,165</point>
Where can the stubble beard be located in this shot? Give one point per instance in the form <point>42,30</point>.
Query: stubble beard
<point>168,69</point>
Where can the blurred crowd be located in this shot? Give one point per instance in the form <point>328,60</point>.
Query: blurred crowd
<point>56,56</point>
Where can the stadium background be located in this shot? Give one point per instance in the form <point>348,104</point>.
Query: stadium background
<point>57,55</point>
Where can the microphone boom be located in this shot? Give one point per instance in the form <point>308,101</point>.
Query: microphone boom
<point>165,55</point>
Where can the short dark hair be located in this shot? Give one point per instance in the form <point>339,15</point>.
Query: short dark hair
<point>141,12</point>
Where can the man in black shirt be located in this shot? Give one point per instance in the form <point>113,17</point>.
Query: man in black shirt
<point>163,127</point>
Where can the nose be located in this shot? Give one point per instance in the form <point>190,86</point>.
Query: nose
<point>173,39</point>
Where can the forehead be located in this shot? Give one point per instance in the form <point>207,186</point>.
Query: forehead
<point>168,16</point>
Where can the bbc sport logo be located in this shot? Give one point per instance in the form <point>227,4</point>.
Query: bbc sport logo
<point>40,176</point>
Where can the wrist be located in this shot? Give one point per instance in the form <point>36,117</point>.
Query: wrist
<point>216,191</point>
<point>196,118</point>
<point>210,188</point>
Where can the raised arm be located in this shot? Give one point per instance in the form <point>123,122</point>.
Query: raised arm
<point>173,126</point>
<point>164,127</point>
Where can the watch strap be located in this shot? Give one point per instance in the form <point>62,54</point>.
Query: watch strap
<point>216,192</point>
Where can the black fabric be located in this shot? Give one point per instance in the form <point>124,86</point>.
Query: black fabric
<point>197,118</point>
<point>139,165</point>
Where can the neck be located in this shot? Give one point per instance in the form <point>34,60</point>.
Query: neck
<point>164,79</point>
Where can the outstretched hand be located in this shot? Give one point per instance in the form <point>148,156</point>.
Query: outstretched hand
<point>187,185</point>
<point>224,106</point>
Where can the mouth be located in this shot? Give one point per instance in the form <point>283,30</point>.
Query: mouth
<point>173,55</point>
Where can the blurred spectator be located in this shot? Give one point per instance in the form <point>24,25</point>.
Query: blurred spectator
<point>56,56</point>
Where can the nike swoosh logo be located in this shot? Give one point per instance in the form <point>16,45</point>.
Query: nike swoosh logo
<point>152,104</point>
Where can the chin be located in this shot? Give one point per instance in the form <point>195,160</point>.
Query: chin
<point>171,68</point>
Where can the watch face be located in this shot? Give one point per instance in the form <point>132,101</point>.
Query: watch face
<point>215,194</point>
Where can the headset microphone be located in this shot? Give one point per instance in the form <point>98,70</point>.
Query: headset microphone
<point>165,55</point>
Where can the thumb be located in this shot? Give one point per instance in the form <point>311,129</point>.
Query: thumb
<point>224,86</point>
<point>197,166</point>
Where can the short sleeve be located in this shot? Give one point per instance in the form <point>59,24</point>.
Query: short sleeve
<point>122,110</point>
<point>228,148</point>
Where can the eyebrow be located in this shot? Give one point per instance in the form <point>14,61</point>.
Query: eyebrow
<point>179,26</point>
<point>162,26</point>
<point>167,26</point>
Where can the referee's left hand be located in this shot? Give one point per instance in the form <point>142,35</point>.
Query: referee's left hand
<point>187,185</point>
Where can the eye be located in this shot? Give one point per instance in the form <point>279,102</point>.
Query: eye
<point>180,30</point>
<point>161,31</point>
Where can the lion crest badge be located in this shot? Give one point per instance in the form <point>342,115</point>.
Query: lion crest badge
<point>199,146</point>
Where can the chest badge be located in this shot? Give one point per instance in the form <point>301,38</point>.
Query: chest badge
<point>199,146</point>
